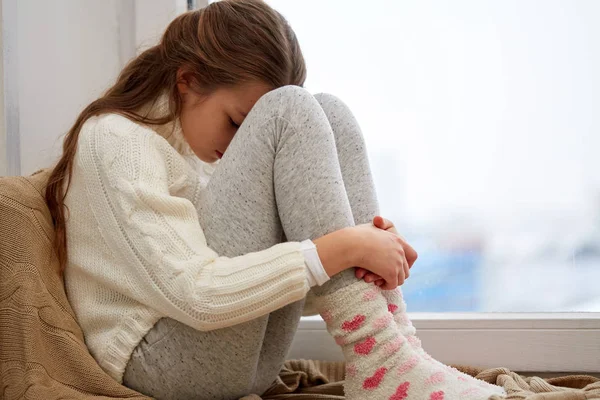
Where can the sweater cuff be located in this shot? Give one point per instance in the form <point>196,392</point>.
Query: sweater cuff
<point>316,273</point>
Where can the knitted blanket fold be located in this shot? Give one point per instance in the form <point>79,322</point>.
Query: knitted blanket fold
<point>42,349</point>
<point>310,379</point>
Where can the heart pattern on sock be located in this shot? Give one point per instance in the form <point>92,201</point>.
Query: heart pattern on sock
<point>470,392</point>
<point>354,324</point>
<point>437,395</point>
<point>392,307</point>
<point>438,377</point>
<point>365,347</point>
<point>351,370</point>
<point>408,365</point>
<point>382,322</point>
<point>374,381</point>
<point>401,392</point>
<point>370,294</point>
<point>393,346</point>
<point>415,341</point>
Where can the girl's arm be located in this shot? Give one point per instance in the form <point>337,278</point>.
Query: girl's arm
<point>159,255</point>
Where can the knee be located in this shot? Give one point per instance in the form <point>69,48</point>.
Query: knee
<point>287,94</point>
<point>343,123</point>
<point>324,98</point>
<point>332,105</point>
<point>288,102</point>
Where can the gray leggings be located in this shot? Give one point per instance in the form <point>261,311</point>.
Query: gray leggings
<point>296,169</point>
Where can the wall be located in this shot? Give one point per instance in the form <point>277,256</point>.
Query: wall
<point>152,17</point>
<point>69,52</point>
<point>3,170</point>
<point>10,93</point>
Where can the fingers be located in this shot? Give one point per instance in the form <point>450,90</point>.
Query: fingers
<point>389,285</point>
<point>368,277</point>
<point>410,253</point>
<point>382,223</point>
<point>360,272</point>
<point>371,277</point>
<point>378,221</point>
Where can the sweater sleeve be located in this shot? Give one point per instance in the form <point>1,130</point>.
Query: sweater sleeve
<point>317,274</point>
<point>163,260</point>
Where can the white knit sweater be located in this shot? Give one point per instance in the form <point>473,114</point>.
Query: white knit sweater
<point>137,253</point>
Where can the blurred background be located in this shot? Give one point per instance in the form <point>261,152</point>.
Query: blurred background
<point>481,119</point>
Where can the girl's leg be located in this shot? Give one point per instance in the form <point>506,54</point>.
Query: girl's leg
<point>358,183</point>
<point>280,177</point>
<point>360,189</point>
<point>300,187</point>
<point>362,343</point>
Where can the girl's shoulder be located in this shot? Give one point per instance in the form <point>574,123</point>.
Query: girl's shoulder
<point>114,124</point>
<point>113,141</point>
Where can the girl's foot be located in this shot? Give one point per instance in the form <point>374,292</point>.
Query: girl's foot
<point>381,363</point>
<point>397,306</point>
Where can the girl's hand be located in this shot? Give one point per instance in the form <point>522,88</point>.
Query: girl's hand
<point>380,251</point>
<point>410,253</point>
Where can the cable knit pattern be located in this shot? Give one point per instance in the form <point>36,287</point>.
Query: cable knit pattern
<point>137,252</point>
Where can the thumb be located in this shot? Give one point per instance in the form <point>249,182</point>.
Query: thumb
<point>382,223</point>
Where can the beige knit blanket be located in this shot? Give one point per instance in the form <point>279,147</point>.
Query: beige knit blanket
<point>309,379</point>
<point>42,350</point>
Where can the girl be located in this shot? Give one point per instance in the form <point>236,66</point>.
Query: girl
<point>190,287</point>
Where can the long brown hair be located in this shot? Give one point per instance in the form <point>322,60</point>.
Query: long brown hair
<point>226,43</point>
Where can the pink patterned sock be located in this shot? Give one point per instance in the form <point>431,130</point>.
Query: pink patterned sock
<point>397,306</point>
<point>380,362</point>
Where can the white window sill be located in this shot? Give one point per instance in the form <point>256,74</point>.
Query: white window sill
<point>552,342</point>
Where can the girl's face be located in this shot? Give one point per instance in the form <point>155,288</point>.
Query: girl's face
<point>209,122</point>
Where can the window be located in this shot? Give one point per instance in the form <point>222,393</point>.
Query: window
<point>482,127</point>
